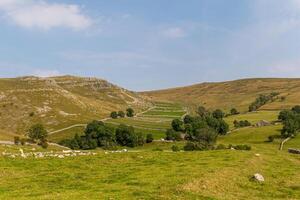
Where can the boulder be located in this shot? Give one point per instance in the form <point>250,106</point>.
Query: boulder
<point>258,177</point>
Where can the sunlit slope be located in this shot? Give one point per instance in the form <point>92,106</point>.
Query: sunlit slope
<point>59,101</point>
<point>238,94</point>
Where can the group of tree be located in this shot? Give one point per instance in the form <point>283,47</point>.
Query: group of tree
<point>98,134</point>
<point>121,114</point>
<point>200,131</point>
<point>291,121</point>
<point>262,100</point>
<point>234,111</point>
<point>242,123</point>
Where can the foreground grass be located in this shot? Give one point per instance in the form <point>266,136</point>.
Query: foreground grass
<point>148,174</point>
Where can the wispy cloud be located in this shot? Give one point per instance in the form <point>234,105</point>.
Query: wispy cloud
<point>43,15</point>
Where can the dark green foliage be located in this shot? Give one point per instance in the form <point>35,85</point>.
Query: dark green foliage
<point>188,119</point>
<point>291,121</point>
<point>223,127</point>
<point>202,112</point>
<point>125,136</point>
<point>262,100</point>
<point>37,132</point>
<point>114,115</point>
<point>175,148</point>
<point>296,109</point>
<point>242,147</point>
<point>177,125</point>
<point>234,111</point>
<point>17,140</point>
<point>130,112</point>
<point>242,123</point>
<point>271,138</point>
<point>218,114</point>
<point>149,138</point>
<point>121,114</point>
<point>173,135</point>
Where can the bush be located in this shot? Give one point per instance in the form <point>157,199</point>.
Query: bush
<point>130,112</point>
<point>189,146</point>
<point>149,138</point>
<point>23,141</point>
<point>37,132</point>
<point>44,144</point>
<point>121,114</point>
<point>218,114</point>
<point>177,125</point>
<point>125,136</point>
<point>173,135</point>
<point>114,115</point>
<point>17,140</point>
<point>234,111</point>
<point>175,148</point>
<point>240,124</point>
<point>31,114</point>
<point>242,147</point>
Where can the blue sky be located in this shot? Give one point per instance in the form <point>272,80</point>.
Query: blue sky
<point>150,44</point>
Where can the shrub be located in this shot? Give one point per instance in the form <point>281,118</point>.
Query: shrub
<point>175,148</point>
<point>177,125</point>
<point>31,114</point>
<point>173,135</point>
<point>114,115</point>
<point>218,114</point>
<point>125,136</point>
<point>17,140</point>
<point>149,138</point>
<point>37,132</point>
<point>23,141</point>
<point>234,111</point>
<point>189,146</point>
<point>242,147</point>
<point>44,144</point>
<point>121,114</point>
<point>130,112</point>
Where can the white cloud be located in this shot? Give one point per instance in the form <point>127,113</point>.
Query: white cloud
<point>42,15</point>
<point>174,32</point>
<point>46,73</point>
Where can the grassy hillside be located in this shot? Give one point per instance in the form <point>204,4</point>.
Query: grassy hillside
<point>58,102</point>
<point>239,94</point>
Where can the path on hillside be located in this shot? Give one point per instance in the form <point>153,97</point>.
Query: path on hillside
<point>103,120</point>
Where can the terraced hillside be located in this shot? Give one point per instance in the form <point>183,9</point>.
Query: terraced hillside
<point>155,120</point>
<point>58,102</point>
<point>239,94</point>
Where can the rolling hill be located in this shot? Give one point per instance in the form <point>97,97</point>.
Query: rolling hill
<point>226,95</point>
<point>58,102</point>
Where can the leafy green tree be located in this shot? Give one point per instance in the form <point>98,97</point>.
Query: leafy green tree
<point>125,136</point>
<point>173,135</point>
<point>130,112</point>
<point>234,111</point>
<point>177,125</point>
<point>202,112</point>
<point>223,127</point>
<point>114,115</point>
<point>296,109</point>
<point>188,119</point>
<point>121,114</point>
<point>285,114</point>
<point>219,114</point>
<point>37,132</point>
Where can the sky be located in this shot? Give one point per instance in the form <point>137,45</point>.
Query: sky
<point>150,44</point>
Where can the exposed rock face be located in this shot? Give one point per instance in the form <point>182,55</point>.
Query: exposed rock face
<point>258,177</point>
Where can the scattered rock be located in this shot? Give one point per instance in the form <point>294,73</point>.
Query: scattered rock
<point>258,177</point>
<point>257,155</point>
<point>294,151</point>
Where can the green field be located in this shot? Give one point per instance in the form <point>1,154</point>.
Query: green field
<point>147,174</point>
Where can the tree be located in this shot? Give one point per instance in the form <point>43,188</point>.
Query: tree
<point>234,111</point>
<point>149,138</point>
<point>121,114</point>
<point>173,135</point>
<point>296,109</point>
<point>202,112</point>
<point>37,132</point>
<point>188,119</point>
<point>223,127</point>
<point>114,115</point>
<point>125,136</point>
<point>285,114</point>
<point>177,125</point>
<point>130,112</point>
<point>219,114</point>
